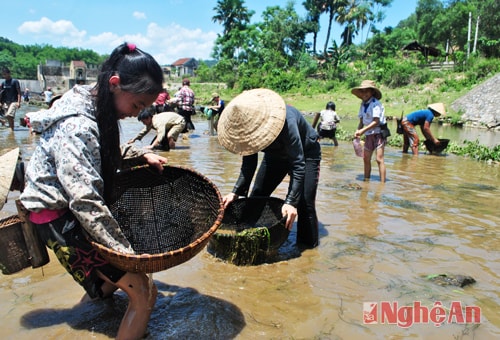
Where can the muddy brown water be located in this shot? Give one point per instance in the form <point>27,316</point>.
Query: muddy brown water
<point>379,242</point>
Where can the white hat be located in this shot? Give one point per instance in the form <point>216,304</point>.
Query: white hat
<point>8,163</point>
<point>438,108</point>
<point>251,121</point>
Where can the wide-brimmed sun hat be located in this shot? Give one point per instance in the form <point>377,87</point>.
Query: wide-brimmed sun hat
<point>438,109</point>
<point>251,121</point>
<point>367,84</point>
<point>215,95</point>
<point>8,163</point>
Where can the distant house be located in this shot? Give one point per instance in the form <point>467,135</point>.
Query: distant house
<point>425,50</point>
<point>184,67</point>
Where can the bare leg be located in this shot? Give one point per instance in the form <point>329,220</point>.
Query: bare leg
<point>211,124</point>
<point>367,161</point>
<point>142,298</point>
<point>107,288</point>
<point>381,163</point>
<point>414,149</point>
<point>11,122</point>
<point>406,143</point>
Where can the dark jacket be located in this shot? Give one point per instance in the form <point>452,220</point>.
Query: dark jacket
<point>296,142</point>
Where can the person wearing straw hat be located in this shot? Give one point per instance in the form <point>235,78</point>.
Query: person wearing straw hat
<point>259,120</point>
<point>422,118</point>
<point>371,117</point>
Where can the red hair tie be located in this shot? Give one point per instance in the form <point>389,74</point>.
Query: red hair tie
<point>131,47</point>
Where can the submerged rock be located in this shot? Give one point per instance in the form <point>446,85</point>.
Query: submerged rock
<point>451,280</point>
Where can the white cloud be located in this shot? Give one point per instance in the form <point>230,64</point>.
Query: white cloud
<point>173,41</point>
<point>139,15</point>
<point>47,27</point>
<point>165,43</point>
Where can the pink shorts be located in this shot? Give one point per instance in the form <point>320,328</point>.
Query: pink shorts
<point>374,141</point>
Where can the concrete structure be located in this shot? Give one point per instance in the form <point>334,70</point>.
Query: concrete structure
<point>61,77</point>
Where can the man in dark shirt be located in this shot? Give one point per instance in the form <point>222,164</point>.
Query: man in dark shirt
<point>11,96</point>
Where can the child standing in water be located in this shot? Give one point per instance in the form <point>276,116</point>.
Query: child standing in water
<point>70,176</point>
<point>371,117</point>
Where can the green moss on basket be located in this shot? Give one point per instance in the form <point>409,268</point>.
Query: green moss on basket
<point>246,247</point>
<point>248,244</point>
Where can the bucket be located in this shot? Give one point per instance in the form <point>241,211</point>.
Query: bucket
<point>14,254</point>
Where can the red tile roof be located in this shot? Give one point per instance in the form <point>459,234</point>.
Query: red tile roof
<point>78,63</point>
<point>180,62</point>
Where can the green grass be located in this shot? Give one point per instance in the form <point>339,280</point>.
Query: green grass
<point>405,99</point>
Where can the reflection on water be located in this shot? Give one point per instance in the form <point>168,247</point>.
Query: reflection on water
<point>378,243</point>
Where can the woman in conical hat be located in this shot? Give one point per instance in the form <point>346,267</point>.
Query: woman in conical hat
<point>259,120</point>
<point>422,118</point>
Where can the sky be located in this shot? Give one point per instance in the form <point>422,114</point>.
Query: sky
<point>167,29</point>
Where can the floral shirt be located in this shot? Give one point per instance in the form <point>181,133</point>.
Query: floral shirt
<point>65,168</point>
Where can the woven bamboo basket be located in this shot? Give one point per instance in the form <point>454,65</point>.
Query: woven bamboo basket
<point>436,149</point>
<point>14,254</point>
<point>168,218</point>
<point>251,231</point>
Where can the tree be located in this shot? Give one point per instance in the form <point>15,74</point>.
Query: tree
<point>489,27</point>
<point>233,16</point>
<point>283,31</point>
<point>314,10</point>
<point>375,14</point>
<point>426,12</point>
<point>452,24</point>
<point>331,7</point>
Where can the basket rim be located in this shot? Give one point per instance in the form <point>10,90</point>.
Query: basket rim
<point>137,260</point>
<point>225,234</point>
<point>12,218</point>
<point>250,198</point>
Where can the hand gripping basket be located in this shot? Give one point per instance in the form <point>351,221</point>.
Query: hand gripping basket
<point>251,231</point>
<point>168,218</point>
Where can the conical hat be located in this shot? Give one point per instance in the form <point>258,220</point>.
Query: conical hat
<point>8,163</point>
<point>438,108</point>
<point>251,121</point>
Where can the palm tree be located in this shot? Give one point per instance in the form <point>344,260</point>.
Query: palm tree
<point>314,10</point>
<point>332,7</point>
<point>354,14</point>
<point>231,14</point>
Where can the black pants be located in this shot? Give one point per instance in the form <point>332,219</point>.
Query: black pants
<point>271,173</point>
<point>187,118</point>
<point>71,247</point>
